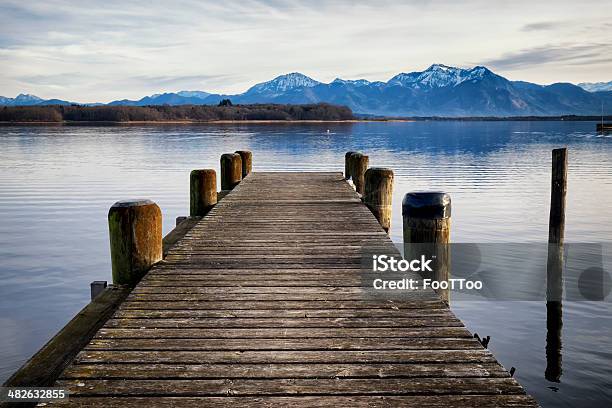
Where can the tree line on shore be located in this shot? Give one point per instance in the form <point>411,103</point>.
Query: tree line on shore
<point>161,113</point>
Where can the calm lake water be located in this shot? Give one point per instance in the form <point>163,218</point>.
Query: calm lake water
<point>57,183</point>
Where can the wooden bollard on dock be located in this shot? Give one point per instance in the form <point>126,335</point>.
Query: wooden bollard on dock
<point>359,165</point>
<point>426,221</point>
<point>378,194</point>
<point>247,161</point>
<point>231,170</point>
<point>202,192</point>
<point>347,165</point>
<point>135,228</point>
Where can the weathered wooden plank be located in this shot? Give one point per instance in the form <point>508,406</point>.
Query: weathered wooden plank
<point>412,401</point>
<point>324,322</point>
<point>280,356</point>
<point>286,344</point>
<point>279,314</point>
<point>279,304</point>
<point>294,386</point>
<point>297,273</point>
<point>250,290</point>
<point>283,333</point>
<point>218,281</point>
<point>262,297</point>
<point>202,371</point>
<point>428,401</point>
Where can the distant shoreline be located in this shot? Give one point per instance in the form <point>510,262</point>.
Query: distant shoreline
<point>308,121</point>
<point>228,114</point>
<point>195,122</point>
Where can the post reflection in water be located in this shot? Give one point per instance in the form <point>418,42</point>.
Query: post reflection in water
<point>554,312</point>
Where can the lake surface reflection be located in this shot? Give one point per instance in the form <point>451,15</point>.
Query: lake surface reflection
<point>57,183</point>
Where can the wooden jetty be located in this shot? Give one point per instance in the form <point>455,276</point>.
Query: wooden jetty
<point>260,303</point>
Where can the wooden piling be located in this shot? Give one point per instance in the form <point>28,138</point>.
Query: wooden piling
<point>359,164</point>
<point>556,224</point>
<point>554,266</point>
<point>231,170</point>
<point>179,220</point>
<point>351,165</point>
<point>426,221</point>
<point>378,194</point>
<point>347,165</point>
<point>96,288</point>
<point>203,192</point>
<point>247,161</point>
<point>135,229</point>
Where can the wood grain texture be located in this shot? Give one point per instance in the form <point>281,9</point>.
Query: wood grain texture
<point>262,304</point>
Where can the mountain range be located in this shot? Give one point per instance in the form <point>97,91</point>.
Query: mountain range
<point>440,90</point>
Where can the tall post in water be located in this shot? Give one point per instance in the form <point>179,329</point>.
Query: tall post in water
<point>202,192</point>
<point>558,191</point>
<point>347,165</point>
<point>135,229</point>
<point>231,170</point>
<point>378,194</point>
<point>247,161</point>
<point>554,267</point>
<point>359,164</point>
<point>427,219</point>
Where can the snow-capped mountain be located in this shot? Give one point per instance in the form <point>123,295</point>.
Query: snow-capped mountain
<point>596,86</point>
<point>169,98</point>
<point>439,90</point>
<point>354,82</point>
<point>193,94</point>
<point>282,83</point>
<point>439,76</point>
<point>21,99</point>
<point>29,100</point>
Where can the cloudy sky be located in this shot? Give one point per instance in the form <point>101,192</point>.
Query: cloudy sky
<point>98,51</point>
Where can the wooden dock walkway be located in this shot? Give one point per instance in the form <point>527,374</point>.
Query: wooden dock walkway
<point>261,305</point>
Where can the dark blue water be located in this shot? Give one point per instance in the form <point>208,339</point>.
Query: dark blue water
<point>57,183</point>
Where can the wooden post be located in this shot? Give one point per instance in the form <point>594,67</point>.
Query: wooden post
<point>427,218</point>
<point>378,193</point>
<point>96,288</point>
<point>351,169</point>
<point>556,224</point>
<point>247,161</point>
<point>231,170</point>
<point>347,165</point>
<point>135,228</point>
<point>202,192</point>
<point>359,164</point>
<point>554,266</point>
